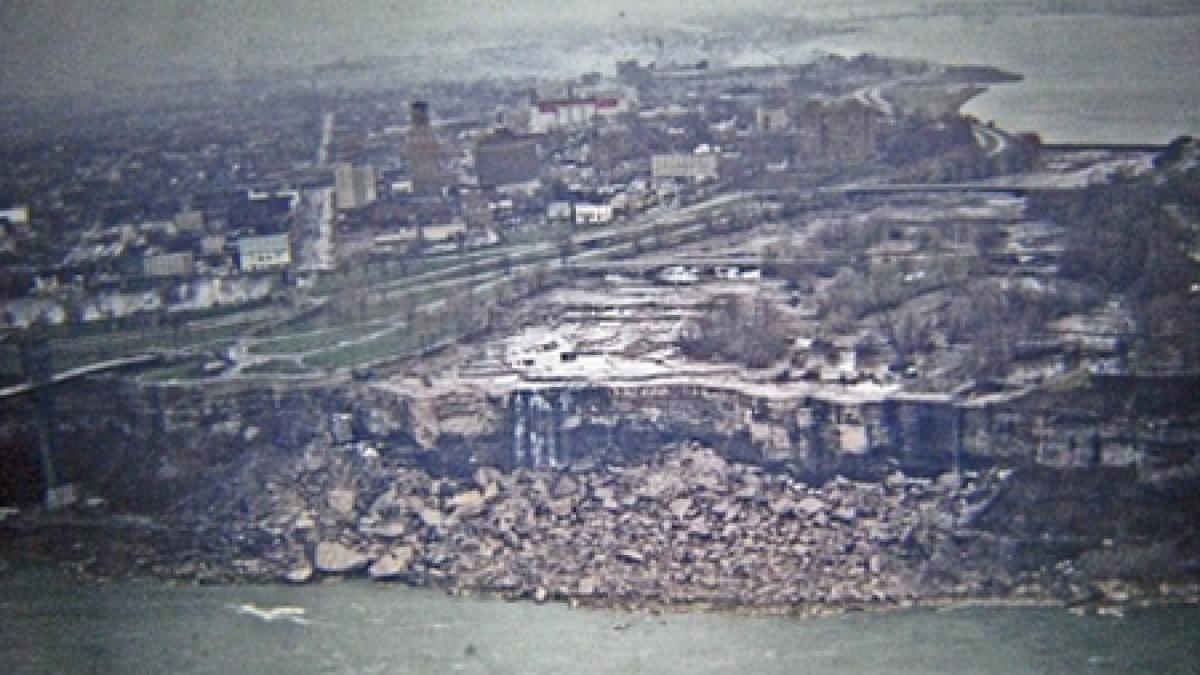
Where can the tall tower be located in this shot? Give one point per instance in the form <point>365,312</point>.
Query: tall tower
<point>424,153</point>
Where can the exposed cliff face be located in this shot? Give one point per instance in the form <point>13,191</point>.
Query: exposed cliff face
<point>670,497</point>
<point>137,442</point>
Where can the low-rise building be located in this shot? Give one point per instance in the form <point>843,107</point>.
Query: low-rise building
<point>267,252</point>
<point>702,165</point>
<point>178,264</point>
<point>504,158</point>
<point>354,186</point>
<point>190,221</point>
<point>567,113</point>
<point>212,244</point>
<point>593,214</point>
<point>558,211</point>
<point>771,119</point>
<point>17,215</point>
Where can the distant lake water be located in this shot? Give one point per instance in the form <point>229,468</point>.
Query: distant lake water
<point>53,626</point>
<point>1088,78</point>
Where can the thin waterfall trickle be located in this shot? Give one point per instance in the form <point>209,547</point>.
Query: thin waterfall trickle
<point>519,425</point>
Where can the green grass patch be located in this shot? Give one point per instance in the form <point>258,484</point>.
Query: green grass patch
<point>67,355</point>
<point>276,367</point>
<point>388,345</point>
<point>307,342</point>
<point>179,371</point>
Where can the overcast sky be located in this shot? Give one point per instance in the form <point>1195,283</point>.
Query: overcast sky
<point>52,46</point>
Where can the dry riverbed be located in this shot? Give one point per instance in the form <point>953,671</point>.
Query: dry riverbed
<point>690,530</point>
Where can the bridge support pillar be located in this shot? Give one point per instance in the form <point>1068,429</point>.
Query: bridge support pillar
<point>37,362</point>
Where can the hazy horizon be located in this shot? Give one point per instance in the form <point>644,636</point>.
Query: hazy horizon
<point>73,46</point>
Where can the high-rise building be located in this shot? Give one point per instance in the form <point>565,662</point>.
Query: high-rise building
<point>424,153</point>
<point>354,186</point>
<point>504,158</point>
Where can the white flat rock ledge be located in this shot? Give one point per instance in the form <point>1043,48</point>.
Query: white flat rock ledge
<point>725,380</point>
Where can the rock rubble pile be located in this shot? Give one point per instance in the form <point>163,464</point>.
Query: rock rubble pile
<point>689,529</point>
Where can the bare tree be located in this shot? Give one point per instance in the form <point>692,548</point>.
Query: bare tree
<point>750,331</point>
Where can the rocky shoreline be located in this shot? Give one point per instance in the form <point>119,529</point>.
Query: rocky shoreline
<point>688,531</point>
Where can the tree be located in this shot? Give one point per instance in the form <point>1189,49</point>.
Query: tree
<point>906,333</point>
<point>566,247</point>
<point>745,330</point>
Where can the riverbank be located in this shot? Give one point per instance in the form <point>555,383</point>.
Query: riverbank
<point>689,531</point>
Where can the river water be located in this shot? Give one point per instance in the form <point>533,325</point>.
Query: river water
<point>1088,78</point>
<point>51,625</point>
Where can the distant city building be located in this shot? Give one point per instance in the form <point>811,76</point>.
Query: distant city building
<point>701,165</point>
<point>190,221</point>
<point>566,113</point>
<point>558,211</point>
<point>263,253</point>
<point>476,208</point>
<point>593,214</point>
<point>771,119</point>
<point>17,215</point>
<point>181,264</point>
<point>504,158</point>
<point>438,234</point>
<point>354,186</point>
<point>424,153</point>
<point>212,244</point>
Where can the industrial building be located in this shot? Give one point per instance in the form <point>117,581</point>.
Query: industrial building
<point>273,251</point>
<point>698,166</point>
<point>424,153</point>
<point>504,158</point>
<point>178,264</point>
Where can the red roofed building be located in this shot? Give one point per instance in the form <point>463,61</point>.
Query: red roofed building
<point>563,113</point>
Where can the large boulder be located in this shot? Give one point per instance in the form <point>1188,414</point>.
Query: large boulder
<point>783,506</point>
<point>565,486</point>
<point>588,585</point>
<point>396,563</point>
<point>846,514</point>
<point>630,556</point>
<point>680,507</point>
<point>467,504</point>
<point>301,574</point>
<point>486,476</point>
<point>336,558</point>
<point>561,508</point>
<point>811,505</point>
<point>342,502</point>
<point>432,517</point>
<point>707,470</point>
<point>390,529</point>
